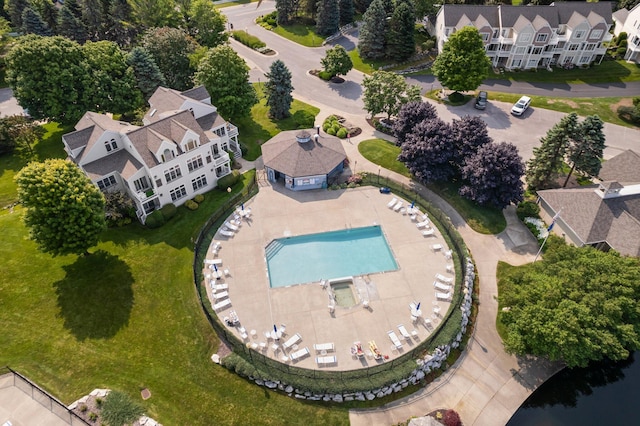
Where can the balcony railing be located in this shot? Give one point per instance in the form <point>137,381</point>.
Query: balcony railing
<point>221,159</point>
<point>232,130</point>
<point>145,195</point>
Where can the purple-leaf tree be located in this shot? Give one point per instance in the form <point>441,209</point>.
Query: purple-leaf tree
<point>409,116</point>
<point>427,151</point>
<point>493,176</point>
<point>470,133</point>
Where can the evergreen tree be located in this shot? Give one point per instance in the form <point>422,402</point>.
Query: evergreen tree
<point>148,75</point>
<point>14,9</point>
<point>74,7</point>
<point>361,6</point>
<point>70,26</point>
<point>585,152</point>
<point>278,90</point>
<point>544,167</point>
<point>48,12</point>
<point>285,11</point>
<point>346,12</point>
<point>401,42</point>
<point>32,23</point>
<point>328,17</point>
<point>92,13</point>
<point>371,44</point>
<point>118,27</point>
<point>171,48</point>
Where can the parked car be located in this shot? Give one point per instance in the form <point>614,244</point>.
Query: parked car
<point>481,100</point>
<point>521,106</point>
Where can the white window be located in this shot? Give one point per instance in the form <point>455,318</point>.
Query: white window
<point>172,174</point>
<point>446,32</point>
<point>106,182</point>
<point>573,46</point>
<point>568,60</point>
<point>496,33</point>
<point>167,155</point>
<point>542,38</point>
<point>178,193</point>
<point>516,63</point>
<point>221,131</point>
<point>536,50</point>
<point>525,37</point>
<point>111,145</point>
<point>579,34</point>
<point>596,34</point>
<point>191,144</point>
<point>590,46</point>
<point>141,184</point>
<point>520,50</point>
<point>199,182</point>
<point>195,163</point>
<point>485,37</point>
<point>532,63</point>
<point>585,59</point>
<point>504,32</point>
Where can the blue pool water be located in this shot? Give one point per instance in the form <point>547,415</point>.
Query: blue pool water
<point>308,258</point>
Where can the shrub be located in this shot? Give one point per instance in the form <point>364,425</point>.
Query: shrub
<point>326,76</point>
<point>326,125</point>
<point>331,131</point>
<point>248,39</point>
<point>83,408</point>
<point>456,97</point>
<point>168,211</point>
<point>118,409</point>
<point>198,198</point>
<point>451,418</point>
<point>119,208</point>
<point>155,220</point>
<point>527,209</point>
<point>355,179</point>
<point>228,180</point>
<point>191,205</point>
<point>93,417</point>
<point>630,114</point>
<point>342,133</point>
<point>99,402</point>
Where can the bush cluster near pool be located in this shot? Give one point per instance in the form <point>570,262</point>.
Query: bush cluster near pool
<point>333,127</point>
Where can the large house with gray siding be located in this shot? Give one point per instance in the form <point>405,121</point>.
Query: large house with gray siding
<point>179,152</point>
<point>529,37</point>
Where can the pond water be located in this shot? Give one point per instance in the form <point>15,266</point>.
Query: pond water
<point>605,393</point>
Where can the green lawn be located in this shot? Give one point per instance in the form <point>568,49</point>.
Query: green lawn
<point>233,3</point>
<point>485,220</point>
<point>504,270</point>
<point>127,317</point>
<point>367,66</point>
<point>301,34</point>
<point>606,72</point>
<point>50,147</point>
<point>258,128</point>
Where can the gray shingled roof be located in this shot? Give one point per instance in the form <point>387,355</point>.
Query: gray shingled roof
<point>198,93</point>
<point>210,121</point>
<point>510,14</point>
<point>285,154</point>
<point>163,100</point>
<point>594,219</point>
<point>120,161</point>
<point>621,15</point>
<point>173,128</point>
<point>80,138</point>
<point>602,8</point>
<point>454,12</point>
<point>624,168</point>
<point>90,128</point>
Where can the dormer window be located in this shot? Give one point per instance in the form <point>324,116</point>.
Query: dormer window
<point>111,145</point>
<point>541,38</point>
<point>596,34</point>
<point>167,155</point>
<point>579,34</point>
<point>191,144</point>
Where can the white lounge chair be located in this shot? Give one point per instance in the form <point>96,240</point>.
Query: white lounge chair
<point>436,247</point>
<point>324,360</point>
<point>319,347</point>
<point>449,268</point>
<point>221,305</point>
<point>448,254</point>
<point>292,341</point>
<point>226,233</point>
<point>444,279</point>
<point>423,224</point>
<point>227,273</point>
<point>428,233</point>
<point>392,203</point>
<point>441,286</point>
<point>398,206</point>
<point>231,226</point>
<point>299,354</point>
<point>213,261</point>
<point>404,332</point>
<point>221,295</point>
<point>394,339</point>
<point>219,287</point>
<point>443,296</point>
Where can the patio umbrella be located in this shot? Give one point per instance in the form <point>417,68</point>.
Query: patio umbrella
<point>215,267</point>
<point>418,306</point>
<point>242,206</point>
<point>275,329</point>
<point>413,203</point>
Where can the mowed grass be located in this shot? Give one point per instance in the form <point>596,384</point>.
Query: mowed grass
<point>258,127</point>
<point>486,220</point>
<point>367,66</point>
<point>301,34</point>
<point>606,72</point>
<point>128,317</point>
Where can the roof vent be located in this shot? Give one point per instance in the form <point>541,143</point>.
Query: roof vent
<point>303,136</point>
<point>153,111</point>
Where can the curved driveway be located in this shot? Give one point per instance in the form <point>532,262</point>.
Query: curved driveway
<point>486,385</point>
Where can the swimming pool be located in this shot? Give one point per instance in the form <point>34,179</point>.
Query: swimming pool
<point>313,257</point>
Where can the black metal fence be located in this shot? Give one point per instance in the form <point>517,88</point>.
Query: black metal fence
<point>9,377</point>
<point>258,365</point>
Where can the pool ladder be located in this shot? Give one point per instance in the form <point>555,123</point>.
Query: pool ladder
<point>273,248</point>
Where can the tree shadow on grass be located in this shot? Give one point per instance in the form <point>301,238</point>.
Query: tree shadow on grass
<point>96,296</point>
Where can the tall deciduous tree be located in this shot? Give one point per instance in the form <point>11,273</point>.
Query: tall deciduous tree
<point>493,175</point>
<point>386,92</point>
<point>226,77</point>
<point>463,63</point>
<point>170,48</point>
<point>206,23</point>
<point>278,90</point>
<point>576,305</point>
<point>371,42</point>
<point>18,131</point>
<point>470,133</point>
<point>401,41</point>
<point>148,75</point>
<point>48,77</point>
<point>347,11</point>
<point>337,61</point>
<point>327,17</point>
<point>64,210</point>
<point>154,13</point>
<point>32,23</point>
<point>544,167</point>
<point>410,115</point>
<point>585,152</point>
<point>111,85</point>
<point>427,151</point>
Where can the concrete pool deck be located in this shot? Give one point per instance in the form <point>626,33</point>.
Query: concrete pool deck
<point>276,213</point>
